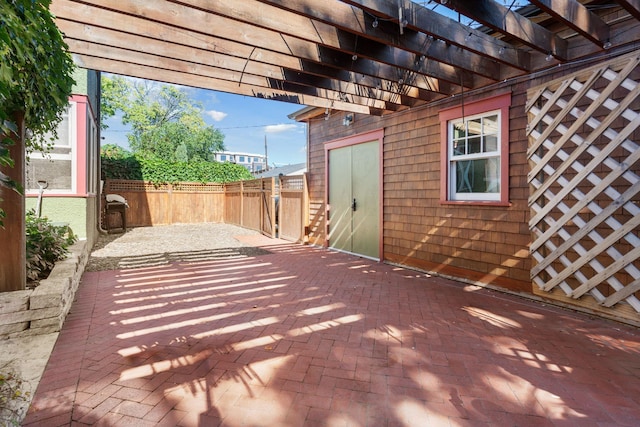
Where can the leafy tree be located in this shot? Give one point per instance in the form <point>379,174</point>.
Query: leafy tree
<point>35,77</point>
<point>165,122</point>
<point>113,151</point>
<point>113,92</point>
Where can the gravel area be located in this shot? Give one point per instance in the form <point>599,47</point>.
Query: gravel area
<point>159,245</point>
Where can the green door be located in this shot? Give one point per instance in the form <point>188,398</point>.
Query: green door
<point>354,188</point>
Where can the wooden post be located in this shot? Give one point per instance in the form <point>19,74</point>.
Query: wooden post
<point>13,272</point>
<point>305,209</point>
<point>272,208</point>
<point>241,203</point>
<point>263,192</point>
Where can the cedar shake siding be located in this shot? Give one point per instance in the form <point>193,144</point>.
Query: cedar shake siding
<point>474,242</point>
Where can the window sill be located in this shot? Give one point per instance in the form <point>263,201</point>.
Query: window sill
<point>476,203</point>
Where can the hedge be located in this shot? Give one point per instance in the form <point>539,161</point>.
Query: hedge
<point>159,171</point>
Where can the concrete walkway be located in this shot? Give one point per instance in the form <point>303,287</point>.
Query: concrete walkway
<point>300,336</point>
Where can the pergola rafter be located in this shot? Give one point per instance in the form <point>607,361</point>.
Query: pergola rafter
<point>371,56</point>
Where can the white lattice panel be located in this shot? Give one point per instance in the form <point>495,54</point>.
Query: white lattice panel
<point>584,178</point>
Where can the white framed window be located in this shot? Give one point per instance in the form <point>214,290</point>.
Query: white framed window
<point>475,152</point>
<point>58,166</point>
<point>474,157</point>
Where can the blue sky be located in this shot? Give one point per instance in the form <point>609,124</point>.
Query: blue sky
<point>245,121</point>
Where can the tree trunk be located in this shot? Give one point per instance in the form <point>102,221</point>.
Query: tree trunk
<point>13,257</point>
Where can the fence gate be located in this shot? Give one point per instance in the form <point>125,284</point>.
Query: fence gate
<point>584,183</point>
<point>251,204</point>
<point>293,210</point>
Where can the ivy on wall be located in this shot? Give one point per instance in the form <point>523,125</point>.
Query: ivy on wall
<point>35,77</point>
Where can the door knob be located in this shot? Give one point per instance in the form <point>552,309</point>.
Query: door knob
<point>353,205</point>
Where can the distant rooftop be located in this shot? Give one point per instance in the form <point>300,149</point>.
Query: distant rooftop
<point>295,169</point>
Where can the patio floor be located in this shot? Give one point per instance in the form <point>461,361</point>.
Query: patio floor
<point>301,336</point>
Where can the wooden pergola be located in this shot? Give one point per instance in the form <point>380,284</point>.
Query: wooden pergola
<point>363,56</point>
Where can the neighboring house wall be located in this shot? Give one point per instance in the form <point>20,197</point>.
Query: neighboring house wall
<point>253,162</point>
<point>485,242</point>
<point>71,167</point>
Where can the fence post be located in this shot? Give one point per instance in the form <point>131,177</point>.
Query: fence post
<point>262,207</point>
<point>242,203</point>
<point>305,209</point>
<point>170,191</point>
<point>272,206</point>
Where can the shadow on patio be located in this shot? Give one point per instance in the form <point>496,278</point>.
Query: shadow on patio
<point>294,335</point>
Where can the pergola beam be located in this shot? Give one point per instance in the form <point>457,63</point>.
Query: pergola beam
<point>384,55</point>
<point>420,18</point>
<point>631,6</point>
<point>352,19</point>
<point>226,64</point>
<point>186,79</point>
<point>504,20</point>
<point>254,81</point>
<point>288,25</point>
<point>578,17</point>
<point>284,51</point>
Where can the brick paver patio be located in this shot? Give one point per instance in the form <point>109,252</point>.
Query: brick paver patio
<point>302,336</point>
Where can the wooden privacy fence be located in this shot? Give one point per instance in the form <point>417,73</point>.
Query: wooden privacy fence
<point>584,183</point>
<point>273,206</point>
<point>252,204</point>
<point>162,204</point>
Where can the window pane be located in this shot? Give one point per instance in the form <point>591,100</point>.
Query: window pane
<point>464,177</point>
<point>475,127</point>
<point>492,174</point>
<point>64,137</point>
<point>57,174</point>
<point>478,176</point>
<point>490,124</point>
<point>474,145</point>
<point>459,130</point>
<point>490,143</point>
<point>459,147</point>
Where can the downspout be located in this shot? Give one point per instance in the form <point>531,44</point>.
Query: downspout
<point>98,158</point>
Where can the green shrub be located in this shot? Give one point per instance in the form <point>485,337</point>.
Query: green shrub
<point>46,244</point>
<point>121,168</point>
<point>160,171</point>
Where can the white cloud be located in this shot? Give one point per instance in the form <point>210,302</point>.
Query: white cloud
<point>280,128</point>
<point>216,115</point>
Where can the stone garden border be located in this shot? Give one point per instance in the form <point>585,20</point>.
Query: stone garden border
<point>42,310</point>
